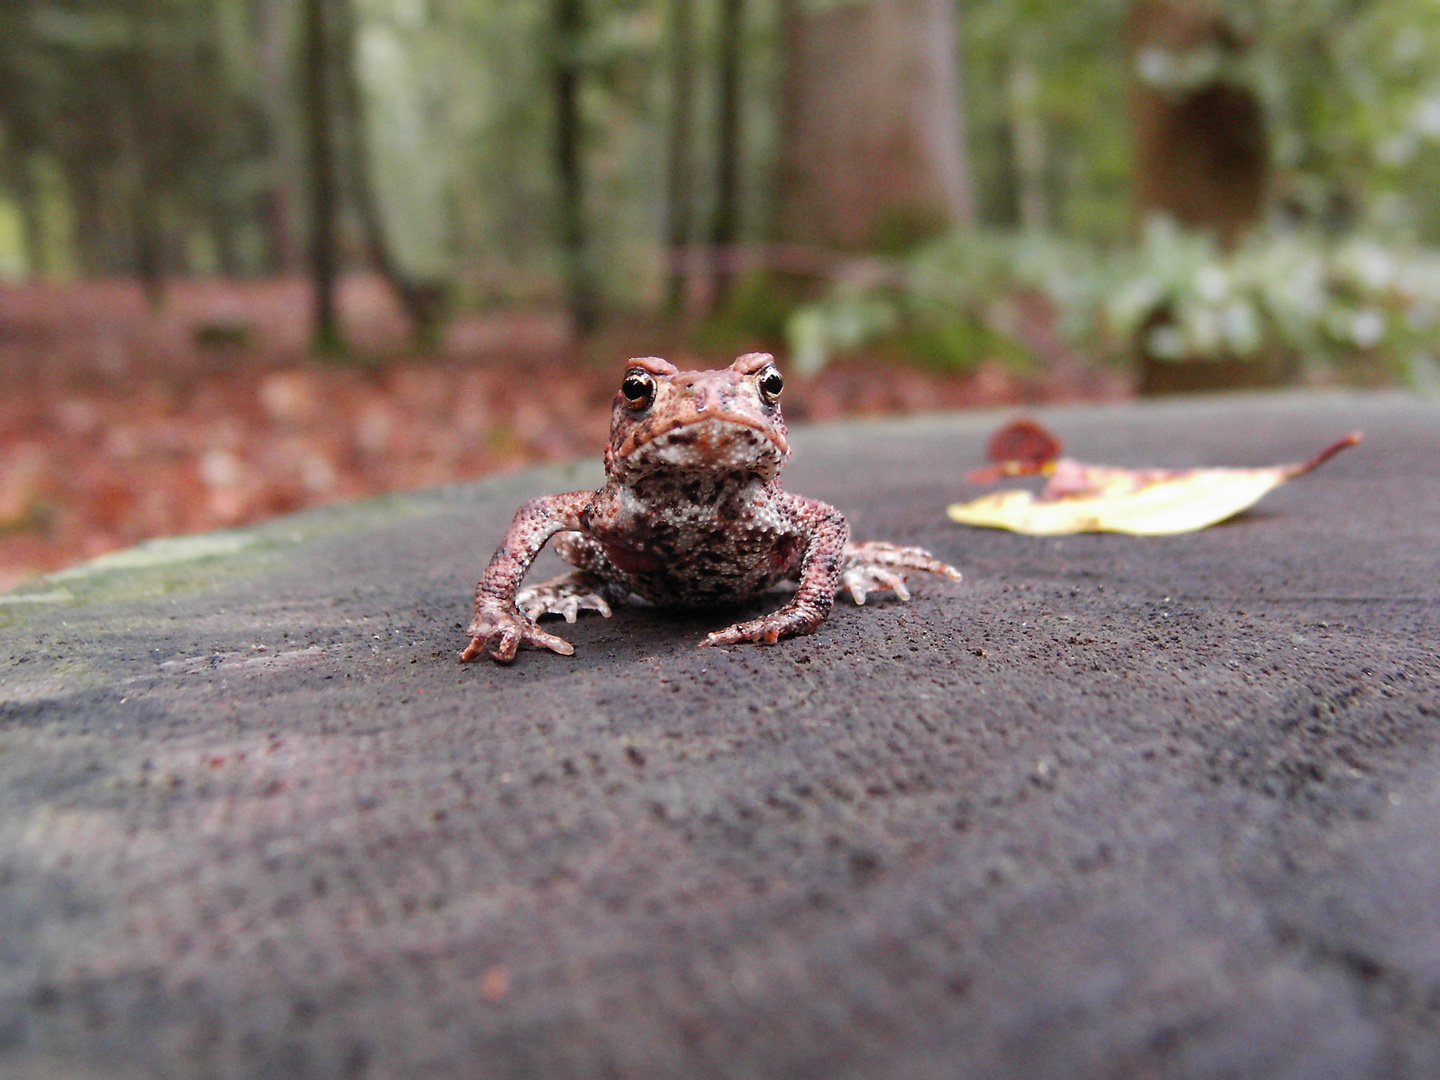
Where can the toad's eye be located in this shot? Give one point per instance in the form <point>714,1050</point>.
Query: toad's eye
<point>638,389</point>
<point>771,383</point>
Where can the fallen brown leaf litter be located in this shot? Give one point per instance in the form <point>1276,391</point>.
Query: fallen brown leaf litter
<point>119,424</point>
<point>1079,497</point>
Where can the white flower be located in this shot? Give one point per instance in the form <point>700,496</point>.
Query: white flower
<point>1367,328</point>
<point>1212,283</point>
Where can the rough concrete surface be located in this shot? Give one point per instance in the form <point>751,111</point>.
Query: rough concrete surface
<point>1112,807</point>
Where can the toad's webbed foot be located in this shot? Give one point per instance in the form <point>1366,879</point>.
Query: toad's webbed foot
<point>566,596</point>
<point>794,618</point>
<point>863,569</point>
<point>874,566</point>
<point>499,628</point>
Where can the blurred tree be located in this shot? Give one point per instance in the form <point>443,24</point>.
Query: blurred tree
<point>1028,138</point>
<point>873,149</point>
<point>319,112</point>
<point>1201,144</point>
<point>148,148</point>
<point>19,142</point>
<point>569,28</point>
<point>392,128</point>
<point>679,183</point>
<point>1045,110</point>
<point>1202,159</point>
<point>726,220</point>
<point>129,110</point>
<point>1348,90</point>
<point>276,30</point>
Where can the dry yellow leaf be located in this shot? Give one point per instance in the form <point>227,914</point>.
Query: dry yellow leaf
<point>1141,502</point>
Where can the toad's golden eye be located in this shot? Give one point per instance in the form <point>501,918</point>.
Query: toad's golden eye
<point>771,383</point>
<point>638,389</point>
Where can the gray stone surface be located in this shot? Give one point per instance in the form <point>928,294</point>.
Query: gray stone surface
<point>1112,807</point>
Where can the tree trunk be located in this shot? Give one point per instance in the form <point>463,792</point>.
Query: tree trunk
<point>324,256</point>
<point>1027,128</point>
<point>1202,158</point>
<point>276,27</point>
<point>423,301</point>
<point>20,178</point>
<point>569,169</point>
<point>149,263</point>
<point>145,148</point>
<point>679,186</point>
<point>873,149</point>
<point>92,235</point>
<point>222,221</point>
<point>1201,152</point>
<point>725,225</point>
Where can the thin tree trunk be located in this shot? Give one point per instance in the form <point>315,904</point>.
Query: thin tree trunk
<point>148,259</point>
<point>221,220</point>
<point>21,181</point>
<point>725,225</point>
<point>569,168</point>
<point>423,302</point>
<point>281,85</point>
<point>680,186</point>
<point>91,234</point>
<point>144,148</point>
<point>1028,139</point>
<point>324,261</point>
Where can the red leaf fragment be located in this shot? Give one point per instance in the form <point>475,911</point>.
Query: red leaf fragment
<point>1022,447</point>
<point>1024,440</point>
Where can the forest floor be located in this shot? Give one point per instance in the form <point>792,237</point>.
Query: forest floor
<point>119,423</point>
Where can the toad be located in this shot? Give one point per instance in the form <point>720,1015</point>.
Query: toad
<point>691,515</point>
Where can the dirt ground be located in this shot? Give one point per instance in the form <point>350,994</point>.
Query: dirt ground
<point>118,424</point>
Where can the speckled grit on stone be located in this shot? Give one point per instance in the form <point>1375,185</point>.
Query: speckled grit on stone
<point>1112,807</point>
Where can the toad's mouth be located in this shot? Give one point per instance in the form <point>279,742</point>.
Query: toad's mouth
<point>707,442</point>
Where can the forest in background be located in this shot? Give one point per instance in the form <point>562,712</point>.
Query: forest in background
<point>259,254</point>
<point>686,157</point>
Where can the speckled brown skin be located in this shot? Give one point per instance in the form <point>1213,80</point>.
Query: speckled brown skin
<point>691,515</point>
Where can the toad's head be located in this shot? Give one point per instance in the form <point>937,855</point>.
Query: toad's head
<point>725,421</point>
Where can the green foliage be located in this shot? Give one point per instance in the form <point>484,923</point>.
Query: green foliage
<point>12,241</point>
<point>940,337</point>
<point>1321,301</point>
<point>945,306</point>
<point>1175,295</point>
<point>902,229</point>
<point>1351,91</point>
<point>1078,51</point>
<point>754,314</point>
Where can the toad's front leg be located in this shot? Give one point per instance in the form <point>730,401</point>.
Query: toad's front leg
<point>819,579</point>
<point>499,627</point>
